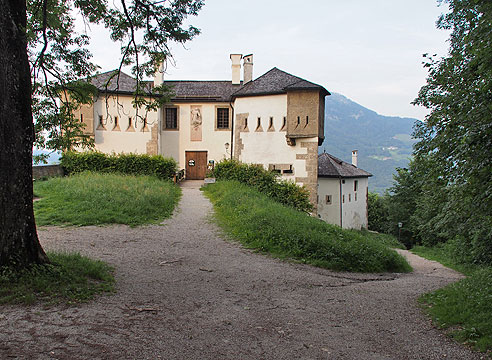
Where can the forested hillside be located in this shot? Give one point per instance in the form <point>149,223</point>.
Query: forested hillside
<point>384,142</point>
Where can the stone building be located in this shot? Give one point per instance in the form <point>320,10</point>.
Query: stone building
<point>276,120</point>
<point>342,192</point>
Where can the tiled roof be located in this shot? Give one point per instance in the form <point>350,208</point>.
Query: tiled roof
<point>274,81</point>
<point>110,82</point>
<point>203,90</point>
<point>330,166</point>
<point>277,81</point>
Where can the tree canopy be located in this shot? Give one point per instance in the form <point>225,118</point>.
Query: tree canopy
<point>60,59</point>
<point>449,182</point>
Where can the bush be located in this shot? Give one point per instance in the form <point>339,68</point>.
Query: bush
<point>131,164</point>
<point>266,182</point>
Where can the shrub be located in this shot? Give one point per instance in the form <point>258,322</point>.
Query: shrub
<point>131,164</point>
<point>266,182</point>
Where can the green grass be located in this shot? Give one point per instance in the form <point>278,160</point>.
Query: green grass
<point>260,223</point>
<point>386,239</point>
<point>463,308</point>
<point>70,278</point>
<point>96,199</point>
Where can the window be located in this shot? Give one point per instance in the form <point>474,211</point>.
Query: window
<point>100,126</point>
<point>116,126</point>
<point>328,199</point>
<point>343,181</point>
<point>288,171</point>
<point>145,127</point>
<point>307,120</point>
<point>343,199</point>
<point>245,123</point>
<point>270,124</point>
<point>298,120</point>
<point>81,117</point>
<point>356,185</point>
<point>171,118</point>
<point>222,118</point>
<point>350,197</point>
<point>258,125</point>
<point>284,124</point>
<point>130,125</point>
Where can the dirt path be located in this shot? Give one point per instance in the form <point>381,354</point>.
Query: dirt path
<point>185,293</point>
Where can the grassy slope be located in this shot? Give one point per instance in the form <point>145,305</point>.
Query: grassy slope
<point>260,223</point>
<point>95,199</point>
<point>70,278</point>
<point>464,307</point>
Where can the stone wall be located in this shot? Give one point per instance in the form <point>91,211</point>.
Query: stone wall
<point>41,171</point>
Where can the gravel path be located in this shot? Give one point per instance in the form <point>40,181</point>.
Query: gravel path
<point>185,293</point>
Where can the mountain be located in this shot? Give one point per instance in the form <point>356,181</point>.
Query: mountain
<point>384,142</point>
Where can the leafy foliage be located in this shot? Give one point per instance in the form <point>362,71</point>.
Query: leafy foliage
<point>377,209</point>
<point>61,64</point>
<point>96,199</point>
<point>446,192</point>
<point>266,182</point>
<point>131,164</point>
<point>260,223</point>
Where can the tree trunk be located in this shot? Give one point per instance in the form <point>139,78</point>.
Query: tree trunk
<point>19,244</point>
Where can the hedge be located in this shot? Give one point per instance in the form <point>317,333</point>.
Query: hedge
<point>267,182</point>
<point>132,164</point>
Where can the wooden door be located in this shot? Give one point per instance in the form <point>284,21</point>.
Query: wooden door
<point>196,165</point>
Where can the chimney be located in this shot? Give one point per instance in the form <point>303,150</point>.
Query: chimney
<point>248,68</point>
<point>354,157</point>
<point>159,75</point>
<point>236,68</point>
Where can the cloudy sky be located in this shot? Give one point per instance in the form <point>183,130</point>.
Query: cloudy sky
<point>368,50</point>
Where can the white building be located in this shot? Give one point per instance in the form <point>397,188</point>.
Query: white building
<point>342,192</point>
<point>276,120</point>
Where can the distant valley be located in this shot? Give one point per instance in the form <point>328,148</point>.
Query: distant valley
<point>384,142</point>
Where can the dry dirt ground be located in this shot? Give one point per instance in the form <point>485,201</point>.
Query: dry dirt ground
<point>183,292</point>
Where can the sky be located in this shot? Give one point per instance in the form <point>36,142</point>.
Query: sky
<point>368,50</point>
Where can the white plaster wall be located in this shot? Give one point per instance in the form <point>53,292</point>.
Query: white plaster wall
<point>169,144</point>
<point>176,143</point>
<point>329,213</point>
<point>121,141</point>
<point>269,147</point>
<point>354,212</point>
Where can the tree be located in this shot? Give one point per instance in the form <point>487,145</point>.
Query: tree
<point>42,32</point>
<point>18,239</point>
<point>377,211</point>
<point>456,138</point>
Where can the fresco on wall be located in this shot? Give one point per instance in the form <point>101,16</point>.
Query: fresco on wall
<point>196,123</point>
